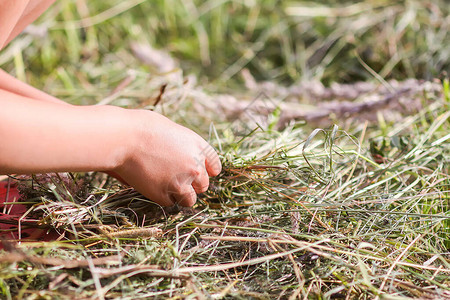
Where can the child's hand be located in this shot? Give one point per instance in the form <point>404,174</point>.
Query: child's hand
<point>166,162</point>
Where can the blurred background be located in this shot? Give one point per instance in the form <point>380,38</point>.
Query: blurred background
<point>286,42</point>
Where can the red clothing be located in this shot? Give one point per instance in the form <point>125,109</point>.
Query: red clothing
<point>15,15</point>
<point>10,215</point>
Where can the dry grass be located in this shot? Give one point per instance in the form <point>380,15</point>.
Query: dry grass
<point>295,213</point>
<point>358,210</point>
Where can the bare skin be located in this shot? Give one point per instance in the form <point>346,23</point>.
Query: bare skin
<point>164,161</point>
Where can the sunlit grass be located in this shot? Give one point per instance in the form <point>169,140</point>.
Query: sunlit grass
<point>356,210</point>
<point>287,42</point>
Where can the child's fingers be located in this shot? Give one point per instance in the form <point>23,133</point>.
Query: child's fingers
<point>181,187</point>
<point>165,200</point>
<point>186,197</point>
<point>212,163</point>
<point>201,182</point>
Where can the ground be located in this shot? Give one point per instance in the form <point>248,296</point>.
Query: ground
<point>333,130</point>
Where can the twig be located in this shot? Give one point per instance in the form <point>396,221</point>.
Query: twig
<point>133,233</point>
<point>67,264</point>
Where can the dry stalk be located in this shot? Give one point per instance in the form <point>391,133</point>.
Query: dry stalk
<point>64,263</point>
<point>133,233</point>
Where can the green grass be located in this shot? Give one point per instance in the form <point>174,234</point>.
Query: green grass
<point>357,210</point>
<point>330,41</point>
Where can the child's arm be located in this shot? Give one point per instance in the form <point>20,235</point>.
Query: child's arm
<point>14,85</point>
<point>166,162</point>
<point>15,15</point>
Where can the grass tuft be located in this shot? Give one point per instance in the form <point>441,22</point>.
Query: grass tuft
<point>312,213</point>
<point>328,190</point>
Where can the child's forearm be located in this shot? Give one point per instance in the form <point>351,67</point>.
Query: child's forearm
<point>14,85</point>
<point>38,137</point>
